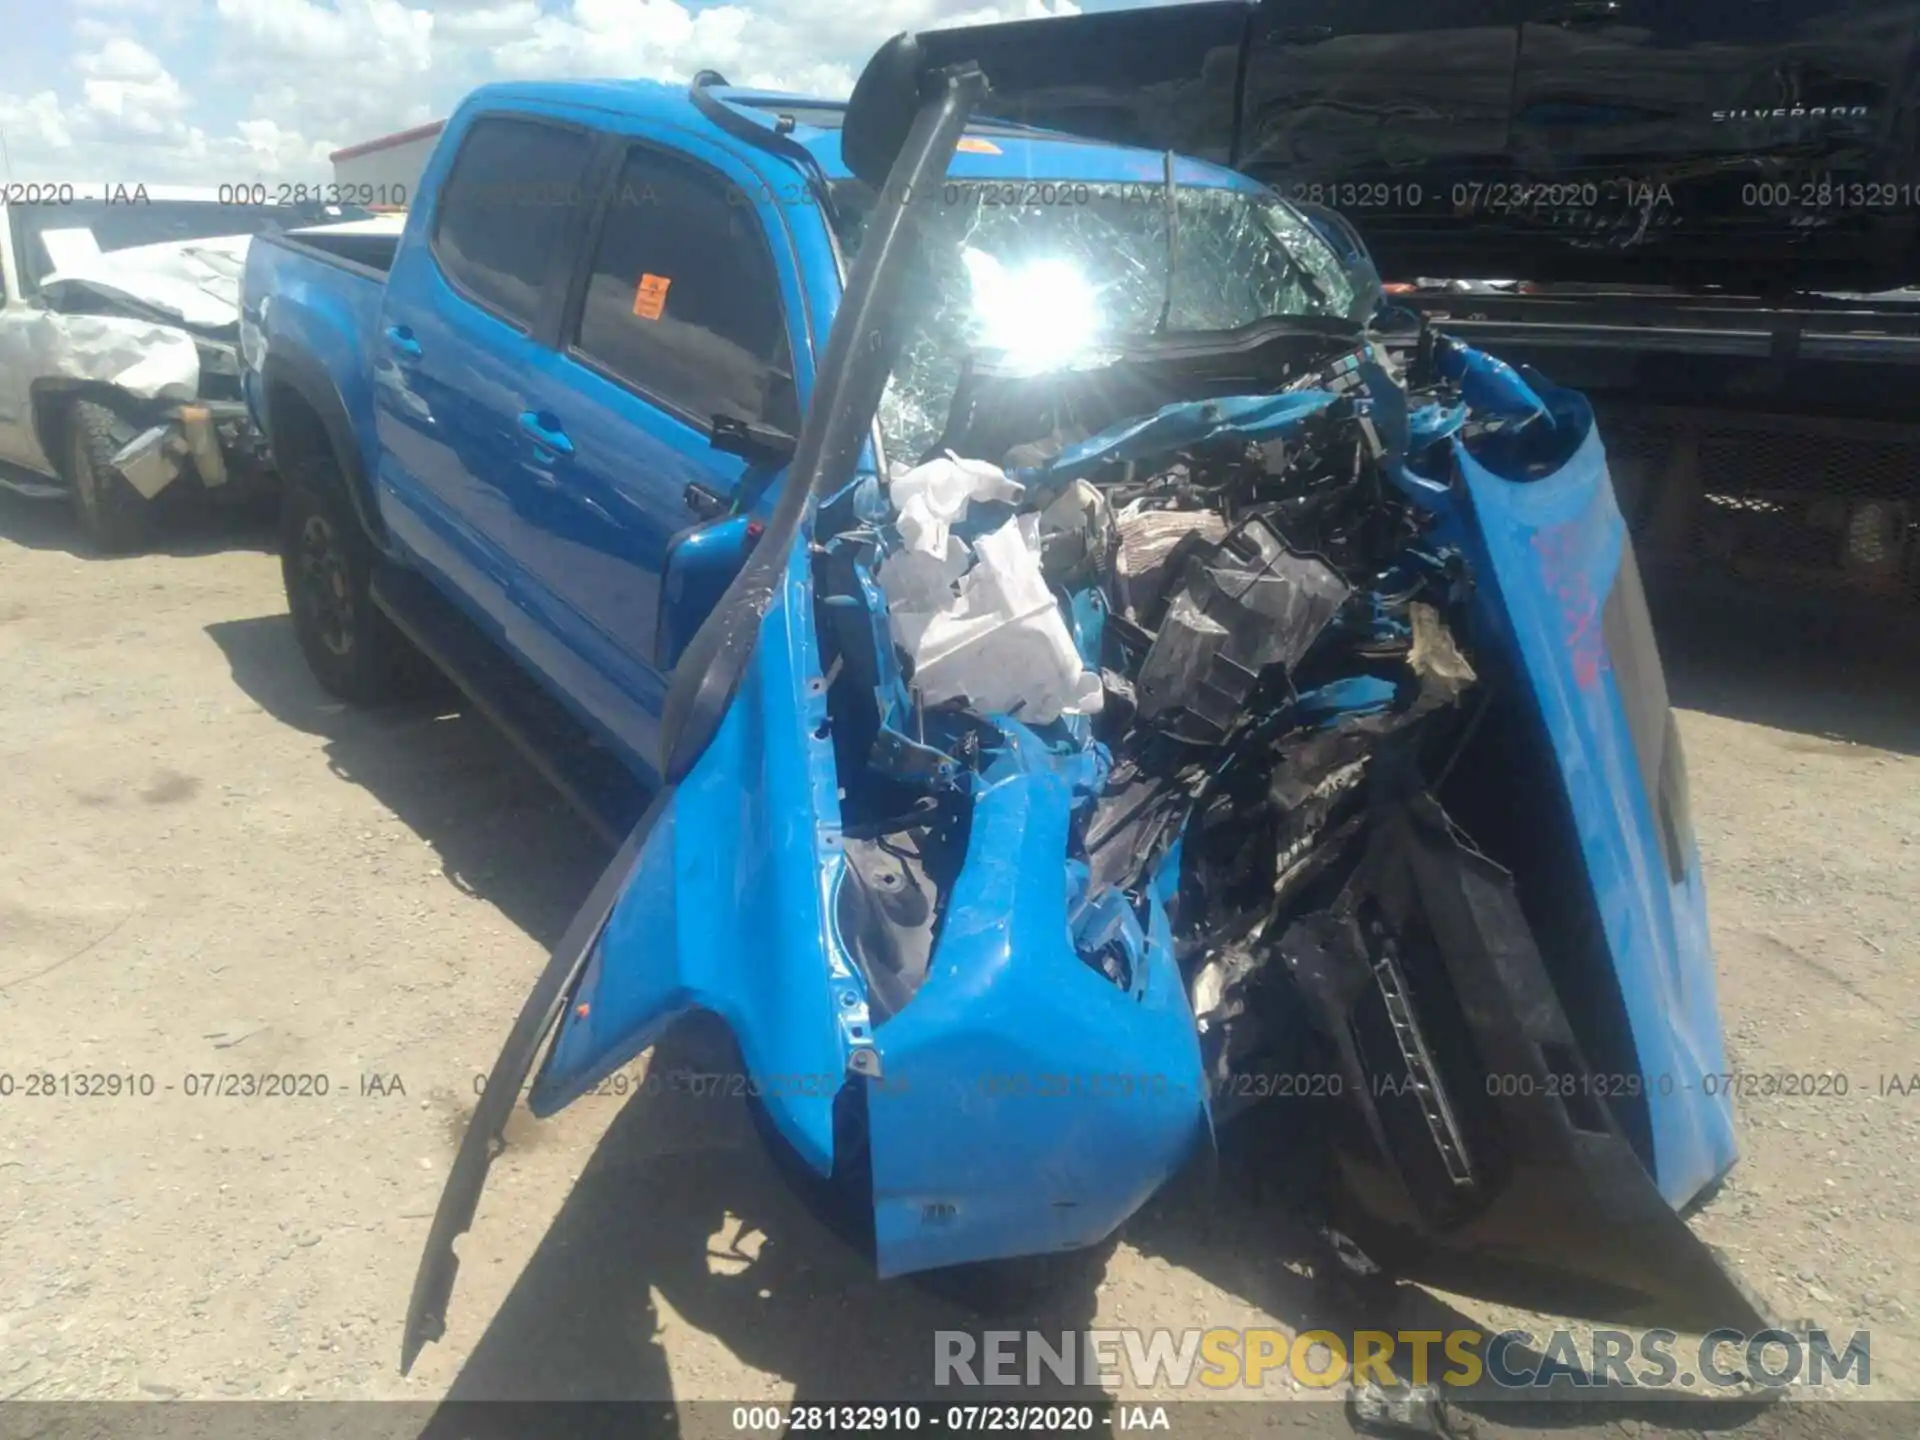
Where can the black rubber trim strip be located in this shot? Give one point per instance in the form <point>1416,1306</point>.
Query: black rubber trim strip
<point>486,1132</point>
<point>867,333</point>
<point>741,127</point>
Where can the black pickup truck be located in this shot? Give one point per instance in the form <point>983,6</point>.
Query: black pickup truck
<point>1765,145</point>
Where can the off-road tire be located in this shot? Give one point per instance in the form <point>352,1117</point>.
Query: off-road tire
<point>116,518</point>
<point>326,562</point>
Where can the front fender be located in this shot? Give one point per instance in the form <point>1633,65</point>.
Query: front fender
<point>1559,585</point>
<point>728,908</point>
<point>1029,1103</point>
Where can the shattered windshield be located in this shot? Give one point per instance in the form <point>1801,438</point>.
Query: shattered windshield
<point>1051,274</point>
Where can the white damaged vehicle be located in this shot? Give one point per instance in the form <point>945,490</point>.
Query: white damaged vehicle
<point>119,370</point>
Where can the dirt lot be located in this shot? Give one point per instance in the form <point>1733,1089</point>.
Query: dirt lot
<point>212,868</point>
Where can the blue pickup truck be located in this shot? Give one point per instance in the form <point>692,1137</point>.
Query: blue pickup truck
<point>1094,684</point>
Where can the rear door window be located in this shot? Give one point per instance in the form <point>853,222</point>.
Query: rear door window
<point>504,211</point>
<point>683,302</point>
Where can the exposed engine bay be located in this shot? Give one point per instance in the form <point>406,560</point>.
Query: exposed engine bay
<point>1238,626</point>
<point>1226,617</point>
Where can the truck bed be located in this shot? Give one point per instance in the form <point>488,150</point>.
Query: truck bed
<point>365,244</point>
<point>1882,329</point>
<point>308,298</point>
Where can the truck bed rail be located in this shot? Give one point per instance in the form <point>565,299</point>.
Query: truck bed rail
<point>1875,329</point>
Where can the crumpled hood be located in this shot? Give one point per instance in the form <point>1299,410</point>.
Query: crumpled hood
<point>137,318</point>
<point>195,282</point>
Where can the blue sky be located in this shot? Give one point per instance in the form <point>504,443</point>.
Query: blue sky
<point>205,92</point>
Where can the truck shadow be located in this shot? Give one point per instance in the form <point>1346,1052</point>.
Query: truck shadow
<point>198,527</point>
<point>680,1222</point>
<point>1225,1234</point>
<point>681,1235</point>
<point>500,831</point>
<point>681,1254</point>
<point>1838,680</point>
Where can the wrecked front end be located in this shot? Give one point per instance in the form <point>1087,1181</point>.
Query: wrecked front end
<point>210,441</point>
<point>1292,769</point>
<point>1244,730</point>
<point>155,332</point>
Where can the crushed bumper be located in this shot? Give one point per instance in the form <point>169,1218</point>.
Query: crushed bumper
<point>211,440</point>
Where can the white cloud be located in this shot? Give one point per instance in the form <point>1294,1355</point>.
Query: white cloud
<point>211,91</point>
<point>798,45</point>
<point>34,125</point>
<point>150,108</point>
<point>325,76</point>
<point>485,24</point>
<point>127,92</point>
<point>316,37</point>
<point>120,59</point>
<point>641,39</point>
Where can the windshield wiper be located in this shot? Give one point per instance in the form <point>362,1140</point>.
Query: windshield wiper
<point>1173,240</point>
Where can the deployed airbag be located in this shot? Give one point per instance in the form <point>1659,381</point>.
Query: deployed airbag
<point>1000,643</point>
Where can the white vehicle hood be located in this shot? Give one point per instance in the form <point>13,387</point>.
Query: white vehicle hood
<point>196,282</point>
<point>169,296</point>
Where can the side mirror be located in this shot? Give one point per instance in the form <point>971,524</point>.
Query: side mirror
<point>753,442</point>
<point>881,109</point>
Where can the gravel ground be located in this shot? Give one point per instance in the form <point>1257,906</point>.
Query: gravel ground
<point>214,869</point>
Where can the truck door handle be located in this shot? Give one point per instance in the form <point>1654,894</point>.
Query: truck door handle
<point>1582,12</point>
<point>545,431</point>
<point>402,341</point>
<point>1304,34</point>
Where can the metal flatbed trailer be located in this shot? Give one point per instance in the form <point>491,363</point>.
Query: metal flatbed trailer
<point>1760,446</point>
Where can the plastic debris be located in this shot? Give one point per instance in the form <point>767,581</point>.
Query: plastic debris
<point>1001,645</point>
<point>1076,531</point>
<point>151,460</point>
<point>919,585</point>
<point>929,498</point>
<point>1434,655</point>
<point>1402,1410</point>
<point>1252,603</point>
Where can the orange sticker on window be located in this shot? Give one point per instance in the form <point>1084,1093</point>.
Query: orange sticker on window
<point>974,145</point>
<point>650,296</point>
